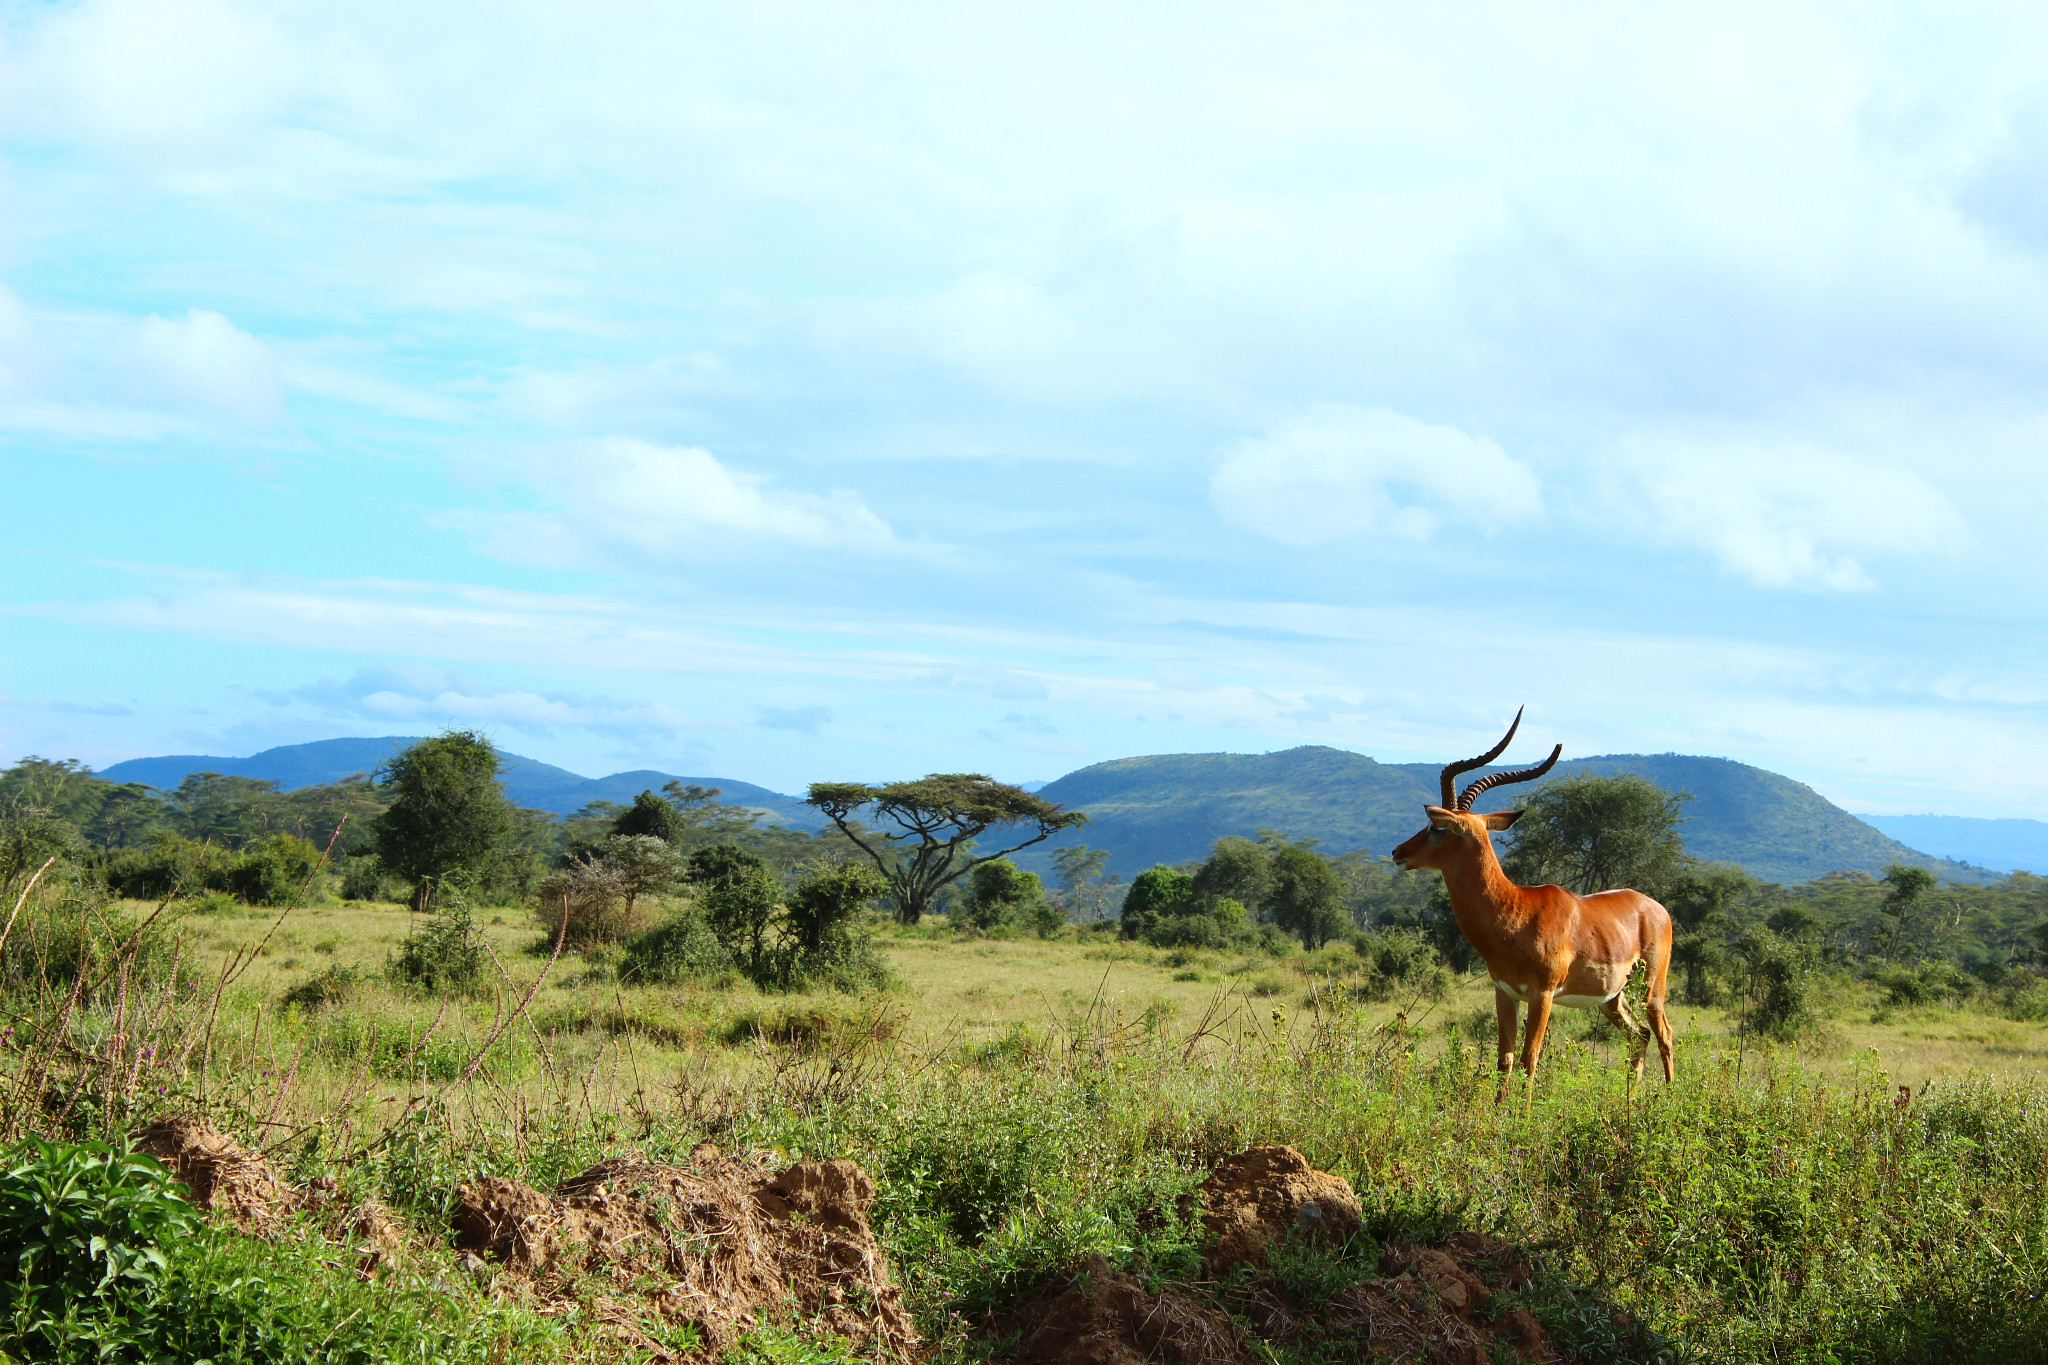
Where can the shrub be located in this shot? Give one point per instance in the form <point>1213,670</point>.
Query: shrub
<point>363,878</point>
<point>2024,996</point>
<point>1937,981</point>
<point>83,1224</point>
<point>1778,995</point>
<point>335,986</point>
<point>29,835</point>
<point>1222,923</point>
<point>167,863</point>
<point>739,900</point>
<point>61,935</point>
<point>1399,962</point>
<point>599,904</point>
<point>446,953</point>
<point>682,949</point>
<point>1001,895</point>
<point>1156,891</point>
<point>274,871</point>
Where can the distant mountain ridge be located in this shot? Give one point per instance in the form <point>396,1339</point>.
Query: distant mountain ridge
<point>2001,844</point>
<point>528,782</point>
<point>1172,807</point>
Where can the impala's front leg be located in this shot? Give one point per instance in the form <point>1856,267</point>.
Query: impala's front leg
<point>1504,1013</point>
<point>1532,1042</point>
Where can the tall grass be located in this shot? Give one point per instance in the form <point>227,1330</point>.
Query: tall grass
<point>1753,1211</point>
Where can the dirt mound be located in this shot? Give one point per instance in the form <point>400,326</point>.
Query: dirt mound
<point>1432,1308</point>
<point>725,1243</point>
<point>1259,1196</point>
<point>222,1174</point>
<point>1432,1304</point>
<point>1105,1317</point>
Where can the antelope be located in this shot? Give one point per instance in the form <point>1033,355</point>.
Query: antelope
<point>1542,945</point>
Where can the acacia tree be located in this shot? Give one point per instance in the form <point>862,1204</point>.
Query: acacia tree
<point>1080,870</point>
<point>936,819</point>
<point>1590,833</point>
<point>448,814</point>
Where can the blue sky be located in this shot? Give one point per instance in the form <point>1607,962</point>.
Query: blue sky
<point>804,392</point>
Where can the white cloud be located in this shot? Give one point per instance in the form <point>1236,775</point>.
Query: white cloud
<point>203,364</point>
<point>146,73</point>
<point>110,374</point>
<point>624,498</point>
<point>1794,515</point>
<point>1339,472</point>
<point>414,692</point>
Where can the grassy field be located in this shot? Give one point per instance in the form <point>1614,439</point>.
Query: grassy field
<point>977,990</point>
<point>1023,1104</point>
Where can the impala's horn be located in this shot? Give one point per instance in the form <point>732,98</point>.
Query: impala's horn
<point>1472,792</point>
<point>1451,770</point>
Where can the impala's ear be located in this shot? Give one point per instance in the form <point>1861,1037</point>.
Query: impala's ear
<point>1439,817</point>
<point>1500,819</point>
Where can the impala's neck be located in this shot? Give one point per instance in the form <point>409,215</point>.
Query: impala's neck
<point>1480,890</point>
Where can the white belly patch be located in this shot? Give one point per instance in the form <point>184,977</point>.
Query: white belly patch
<point>1576,1002</point>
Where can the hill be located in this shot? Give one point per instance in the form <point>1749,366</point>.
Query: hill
<point>1172,807</point>
<point>2003,845</point>
<point>528,782</point>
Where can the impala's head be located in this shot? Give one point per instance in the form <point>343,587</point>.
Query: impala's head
<point>1454,829</point>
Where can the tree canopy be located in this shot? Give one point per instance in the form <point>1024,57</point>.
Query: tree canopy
<point>448,814</point>
<point>1590,833</point>
<point>936,820</point>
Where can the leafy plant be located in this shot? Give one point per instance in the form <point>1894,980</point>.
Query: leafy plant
<point>446,953</point>
<point>86,1223</point>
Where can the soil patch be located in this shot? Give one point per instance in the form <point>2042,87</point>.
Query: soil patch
<point>1426,1303</point>
<point>1106,1317</point>
<point>222,1175</point>
<point>722,1243</point>
<point>1262,1195</point>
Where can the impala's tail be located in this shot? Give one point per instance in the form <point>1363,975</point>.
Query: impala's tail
<point>1657,958</point>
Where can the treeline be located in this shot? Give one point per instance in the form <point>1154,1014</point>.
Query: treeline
<point>241,836</point>
<point>1765,949</point>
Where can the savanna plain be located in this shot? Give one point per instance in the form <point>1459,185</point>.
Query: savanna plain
<point>1023,1105</point>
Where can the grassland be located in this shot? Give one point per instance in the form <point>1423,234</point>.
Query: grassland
<point>1024,1103</point>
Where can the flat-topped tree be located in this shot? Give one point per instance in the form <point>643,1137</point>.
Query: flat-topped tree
<point>936,819</point>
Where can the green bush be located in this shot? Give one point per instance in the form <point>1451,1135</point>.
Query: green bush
<point>1221,923</point>
<point>1937,981</point>
<point>363,878</point>
<point>85,1225</point>
<point>1399,962</point>
<point>681,949</point>
<point>824,940</point>
<point>1778,995</point>
<point>167,863</point>
<point>1001,895</point>
<point>72,931</point>
<point>337,985</point>
<point>446,953</point>
<point>274,871</point>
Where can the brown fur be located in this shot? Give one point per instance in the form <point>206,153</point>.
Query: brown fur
<point>1544,941</point>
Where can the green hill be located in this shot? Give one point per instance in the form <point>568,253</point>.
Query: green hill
<point>527,781</point>
<point>1172,807</point>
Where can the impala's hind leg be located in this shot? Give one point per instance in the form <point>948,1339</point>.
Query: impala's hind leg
<point>1617,1013</point>
<point>1659,974</point>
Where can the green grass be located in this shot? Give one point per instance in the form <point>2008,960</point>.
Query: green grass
<point>1025,1104</point>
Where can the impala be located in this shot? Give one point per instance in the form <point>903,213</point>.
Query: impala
<point>1542,945</point>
